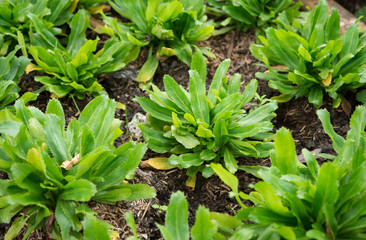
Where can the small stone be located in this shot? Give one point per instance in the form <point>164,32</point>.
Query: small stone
<point>134,130</point>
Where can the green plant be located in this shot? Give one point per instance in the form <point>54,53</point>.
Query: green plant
<point>74,68</point>
<point>91,5</point>
<point>362,13</point>
<point>171,26</point>
<point>295,201</point>
<point>316,58</point>
<point>54,171</point>
<point>16,26</point>
<point>199,128</point>
<point>11,69</point>
<point>176,223</point>
<point>258,14</point>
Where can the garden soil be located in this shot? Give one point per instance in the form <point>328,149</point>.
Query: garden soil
<point>297,115</point>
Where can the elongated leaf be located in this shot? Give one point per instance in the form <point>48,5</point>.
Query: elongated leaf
<point>228,178</point>
<point>78,190</point>
<point>55,140</point>
<point>199,64</point>
<point>198,97</point>
<point>338,141</point>
<point>326,188</point>
<point>286,158</point>
<point>203,228</point>
<point>176,94</point>
<point>217,80</point>
<point>154,109</point>
<point>176,218</point>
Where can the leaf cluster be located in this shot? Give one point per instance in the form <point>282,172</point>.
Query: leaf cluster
<point>316,58</point>
<point>74,68</point>
<point>197,127</point>
<point>11,68</point>
<point>258,14</point>
<point>169,28</point>
<point>54,170</point>
<point>295,201</point>
<point>16,25</point>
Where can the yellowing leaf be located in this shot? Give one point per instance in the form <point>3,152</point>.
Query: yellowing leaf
<point>32,67</point>
<point>328,80</point>
<point>167,52</point>
<point>191,182</point>
<point>69,164</point>
<point>283,97</point>
<point>97,9</point>
<point>158,163</point>
<point>120,106</point>
<point>73,6</point>
<point>34,158</point>
<point>113,235</point>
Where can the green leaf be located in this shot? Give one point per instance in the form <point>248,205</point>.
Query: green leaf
<point>285,152</point>
<point>148,70</point>
<point>78,190</point>
<point>230,161</point>
<point>78,25</point>
<point>126,192</point>
<point>155,109</point>
<point>188,140</point>
<point>228,178</point>
<point>54,138</point>
<point>176,94</point>
<point>204,132</point>
<point>169,11</point>
<point>199,103</point>
<point>95,229</point>
<point>16,227</point>
<point>326,188</point>
<point>54,107</point>
<point>217,80</point>
<point>316,96</point>
<point>131,223</point>
<point>66,218</point>
<point>338,141</point>
<point>203,228</point>
<point>176,218</point>
<point>199,64</point>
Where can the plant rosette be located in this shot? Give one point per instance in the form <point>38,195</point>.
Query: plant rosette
<point>199,128</point>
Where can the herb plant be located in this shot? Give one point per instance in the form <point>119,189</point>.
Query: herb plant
<point>75,67</point>
<point>171,26</point>
<point>54,171</point>
<point>258,14</point>
<point>198,128</point>
<point>16,26</point>
<point>11,69</point>
<point>295,201</point>
<point>316,58</point>
<point>362,13</point>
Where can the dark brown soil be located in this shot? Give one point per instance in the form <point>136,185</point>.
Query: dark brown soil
<point>297,115</point>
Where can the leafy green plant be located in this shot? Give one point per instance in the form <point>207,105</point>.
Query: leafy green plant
<point>198,128</point>
<point>362,13</point>
<point>176,222</point>
<point>258,14</point>
<point>171,26</point>
<point>75,67</point>
<point>11,69</point>
<point>316,58</point>
<point>16,26</point>
<point>54,171</point>
<point>295,201</point>
<point>91,5</point>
